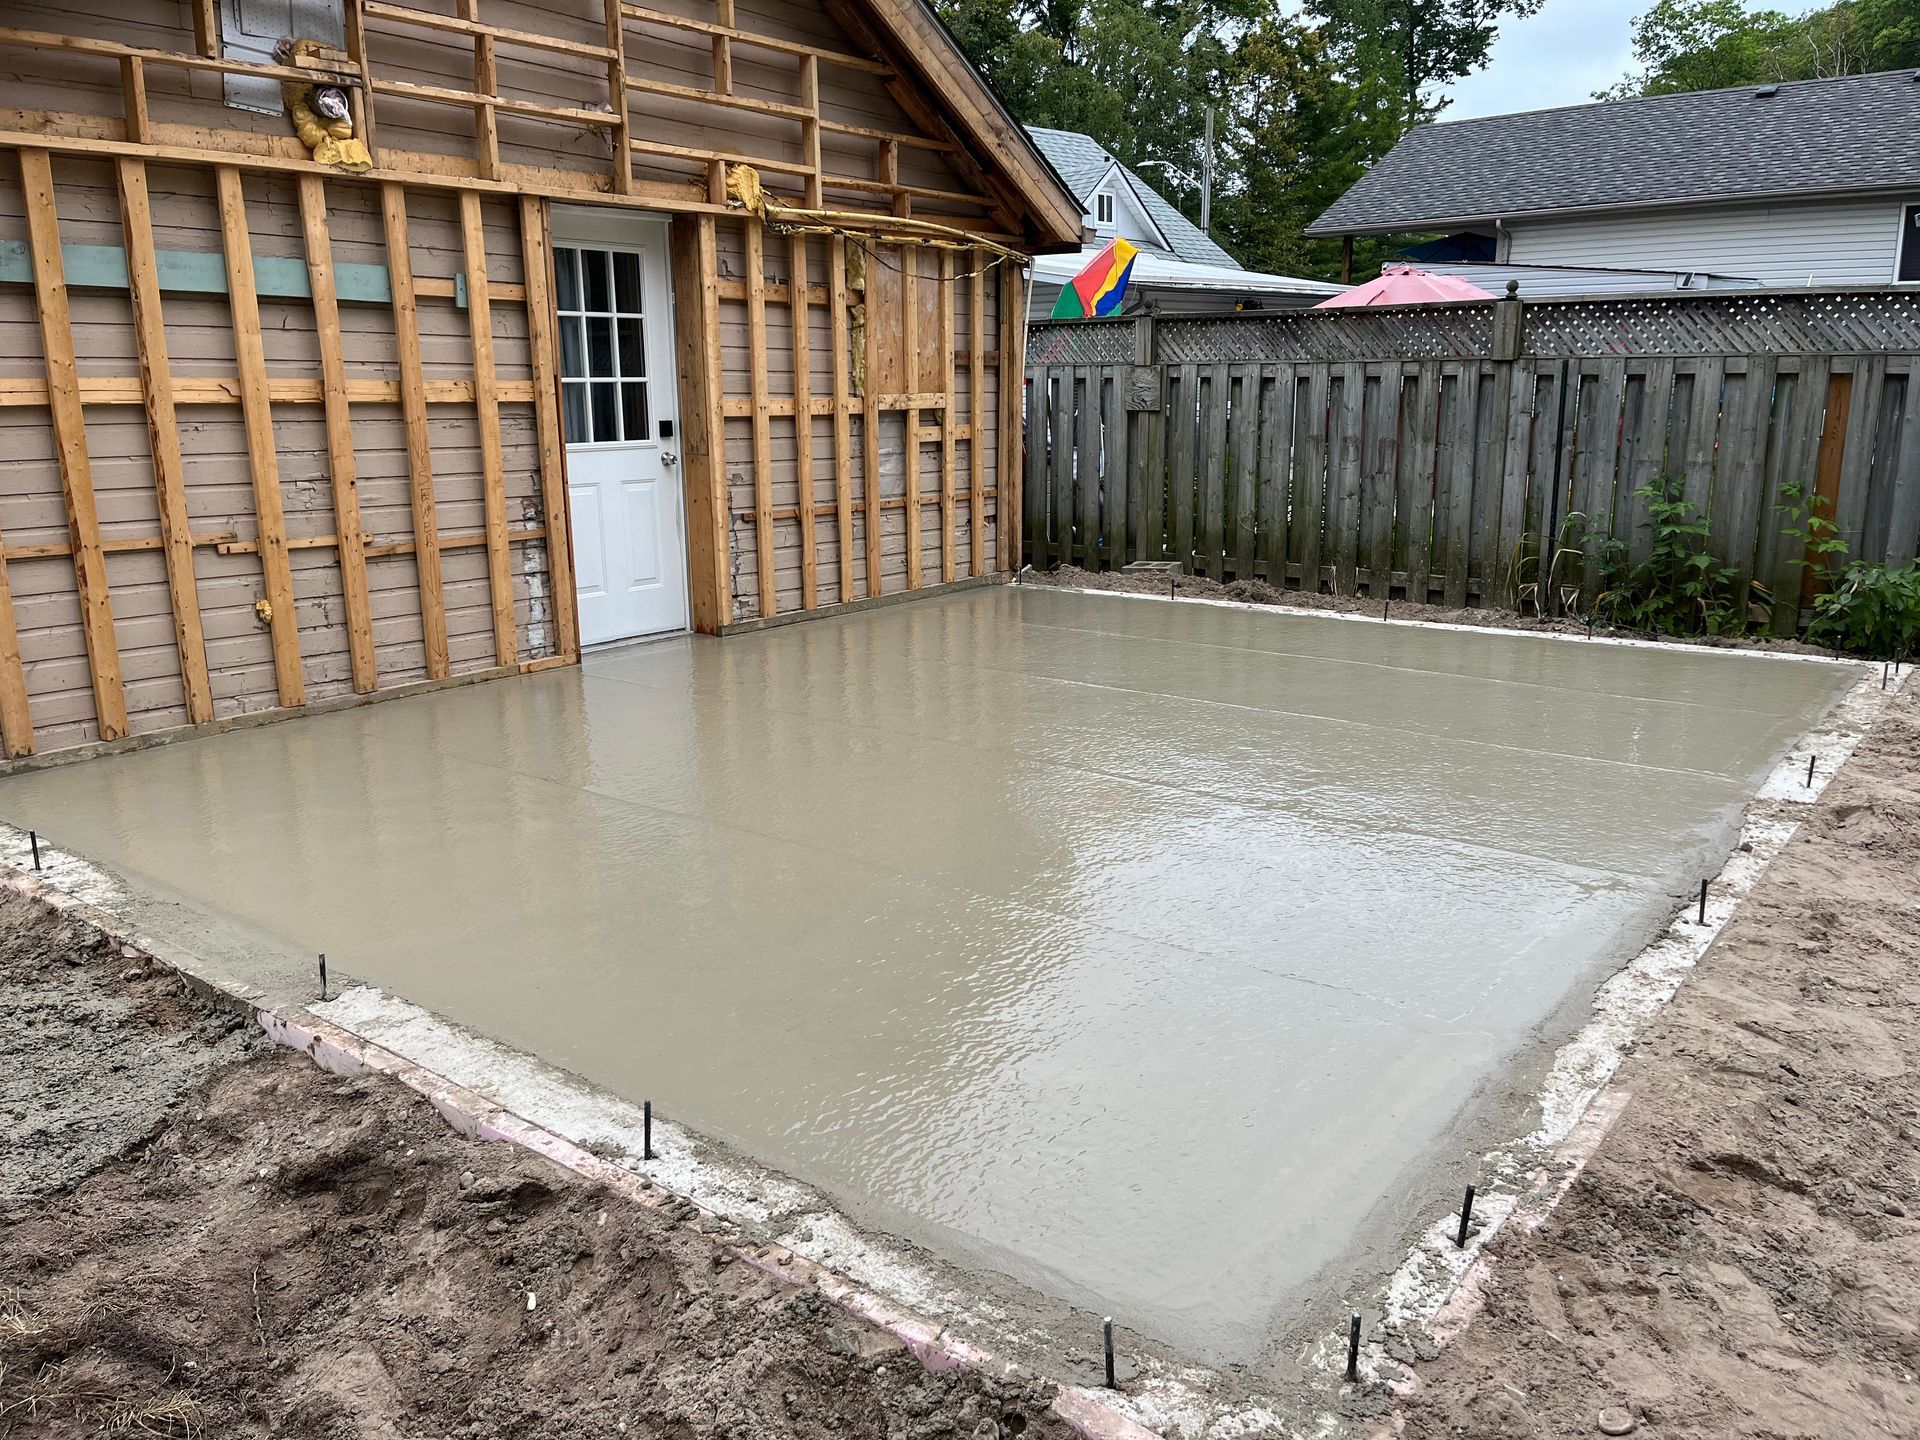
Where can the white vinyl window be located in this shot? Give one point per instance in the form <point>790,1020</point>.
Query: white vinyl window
<point>1103,208</point>
<point>249,29</point>
<point>603,345</point>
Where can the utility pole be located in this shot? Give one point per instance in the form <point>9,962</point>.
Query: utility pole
<point>1206,179</point>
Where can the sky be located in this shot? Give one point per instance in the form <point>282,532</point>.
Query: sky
<point>1559,56</point>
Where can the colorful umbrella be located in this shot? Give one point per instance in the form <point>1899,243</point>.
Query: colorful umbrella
<point>1406,285</point>
<point>1101,288</point>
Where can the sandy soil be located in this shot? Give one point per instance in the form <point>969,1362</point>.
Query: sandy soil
<point>1742,1256</point>
<point>198,1235</point>
<point>1258,592</point>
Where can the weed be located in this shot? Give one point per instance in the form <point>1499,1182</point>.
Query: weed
<point>1679,589</point>
<point>1872,610</point>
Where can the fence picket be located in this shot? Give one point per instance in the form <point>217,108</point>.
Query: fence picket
<point>1903,526</point>
<point>1418,460</point>
<point>1185,422</point>
<point>1343,476</point>
<point>1277,390</point>
<point>1382,444</point>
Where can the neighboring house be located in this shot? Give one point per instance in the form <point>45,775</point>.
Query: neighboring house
<point>535,376</point>
<point>1179,268</point>
<point>1814,182</point>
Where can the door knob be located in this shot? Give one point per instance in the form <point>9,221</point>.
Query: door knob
<point>669,459</point>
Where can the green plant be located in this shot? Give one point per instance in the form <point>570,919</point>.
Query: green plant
<point>1872,610</point>
<point>1820,543</point>
<point>1679,588</point>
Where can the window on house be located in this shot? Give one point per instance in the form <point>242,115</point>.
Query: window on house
<point>603,351</point>
<point>1103,208</point>
<point>249,29</point>
<point>1909,263</point>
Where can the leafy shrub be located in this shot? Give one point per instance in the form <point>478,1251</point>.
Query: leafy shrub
<point>1679,589</point>
<point>1872,610</point>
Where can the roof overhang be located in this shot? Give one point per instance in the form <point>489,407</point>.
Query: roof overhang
<point>1321,229</point>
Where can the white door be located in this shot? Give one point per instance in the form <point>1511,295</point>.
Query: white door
<point>620,410</point>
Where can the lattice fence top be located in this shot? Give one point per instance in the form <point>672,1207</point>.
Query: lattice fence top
<point>1747,322</point>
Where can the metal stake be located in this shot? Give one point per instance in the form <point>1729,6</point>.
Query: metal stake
<point>1353,1347</point>
<point>1173,583</point>
<point>34,840</point>
<point>1703,903</point>
<point>1810,760</point>
<point>1386,607</point>
<point>323,974</point>
<point>1466,1216</point>
<point>646,1130</point>
<point>1106,1343</point>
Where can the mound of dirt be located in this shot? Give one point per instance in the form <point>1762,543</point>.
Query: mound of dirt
<point>1742,1256</point>
<point>298,1255</point>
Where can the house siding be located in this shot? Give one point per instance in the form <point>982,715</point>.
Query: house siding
<point>1817,242</point>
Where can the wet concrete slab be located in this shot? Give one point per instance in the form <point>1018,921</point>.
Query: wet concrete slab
<point>1161,957</point>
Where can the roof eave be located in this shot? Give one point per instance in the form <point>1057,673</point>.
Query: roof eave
<point>1322,229</point>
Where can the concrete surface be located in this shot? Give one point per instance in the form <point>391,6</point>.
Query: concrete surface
<point>1162,957</point>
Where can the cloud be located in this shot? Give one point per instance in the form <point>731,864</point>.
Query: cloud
<point>1558,57</point>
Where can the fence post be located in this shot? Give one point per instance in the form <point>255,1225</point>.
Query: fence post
<point>1146,340</point>
<point>1509,324</point>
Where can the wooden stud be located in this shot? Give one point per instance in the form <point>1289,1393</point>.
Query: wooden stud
<point>70,439</point>
<point>133,92</point>
<point>696,292</point>
<point>163,436</point>
<point>1012,441</point>
<point>947,420</point>
<point>617,98</point>
<point>810,128</point>
<point>799,289</point>
<point>486,83</point>
<point>16,723</point>
<point>256,412</point>
<point>730,31</point>
<point>486,403</point>
<point>413,410</point>
<point>762,445</point>
<point>842,438</point>
<point>870,448</point>
<point>537,262</point>
<point>206,29</point>
<point>340,456</point>
<point>723,46</point>
<point>360,99</point>
<point>976,415</point>
<point>910,353</point>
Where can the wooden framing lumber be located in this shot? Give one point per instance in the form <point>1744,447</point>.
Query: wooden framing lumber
<point>70,440</point>
<point>256,411</point>
<point>909,256</point>
<point>842,401</point>
<point>341,466</point>
<point>696,302</point>
<point>762,443</point>
<point>976,415</point>
<point>486,80</point>
<point>948,538</point>
<point>163,437</point>
<point>725,29</point>
<point>799,289</point>
<point>486,404</point>
<point>1010,502</point>
<point>870,428</point>
<point>537,262</point>
<point>16,723</point>
<point>413,410</point>
<point>617,98</point>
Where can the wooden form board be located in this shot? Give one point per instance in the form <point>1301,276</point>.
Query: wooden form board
<point>1451,481</point>
<point>315,628</point>
<point>914,490</point>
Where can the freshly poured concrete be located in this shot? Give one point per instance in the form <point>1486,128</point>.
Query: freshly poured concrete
<point>1146,953</point>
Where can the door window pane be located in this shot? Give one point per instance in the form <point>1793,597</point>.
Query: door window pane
<point>600,348</point>
<point>626,282</point>
<point>594,267</point>
<point>633,354</point>
<point>606,412</point>
<point>633,406</point>
<point>575,413</point>
<point>566,272</point>
<point>573,347</point>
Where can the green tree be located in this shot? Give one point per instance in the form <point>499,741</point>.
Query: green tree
<point>1416,46</point>
<point>1714,44</point>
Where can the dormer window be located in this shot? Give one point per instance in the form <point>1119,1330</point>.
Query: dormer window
<point>1103,208</point>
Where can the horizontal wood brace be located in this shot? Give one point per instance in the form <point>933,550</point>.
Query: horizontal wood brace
<point>222,390</point>
<point>707,157</point>
<point>714,97</point>
<point>867,132</point>
<point>737,407</point>
<point>748,37</point>
<point>378,549</point>
<point>859,507</point>
<point>113,50</point>
<point>558,114</point>
<point>60,549</point>
<point>407,15</point>
<point>885,187</point>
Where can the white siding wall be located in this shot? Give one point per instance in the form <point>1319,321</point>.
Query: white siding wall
<point>1830,242</point>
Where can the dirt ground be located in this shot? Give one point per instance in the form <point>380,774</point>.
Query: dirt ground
<point>1742,1256</point>
<point>1258,592</point>
<point>202,1235</point>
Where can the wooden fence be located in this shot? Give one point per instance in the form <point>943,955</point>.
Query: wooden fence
<point>1446,453</point>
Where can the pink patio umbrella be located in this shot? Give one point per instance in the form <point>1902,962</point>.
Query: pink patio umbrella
<point>1406,285</point>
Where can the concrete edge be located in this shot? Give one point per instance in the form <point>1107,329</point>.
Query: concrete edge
<point>252,719</point>
<point>1623,1006</point>
<point>1086,1411</point>
<point>854,607</point>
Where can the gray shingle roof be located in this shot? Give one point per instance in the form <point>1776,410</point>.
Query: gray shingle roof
<point>1083,163</point>
<point>1856,132</point>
